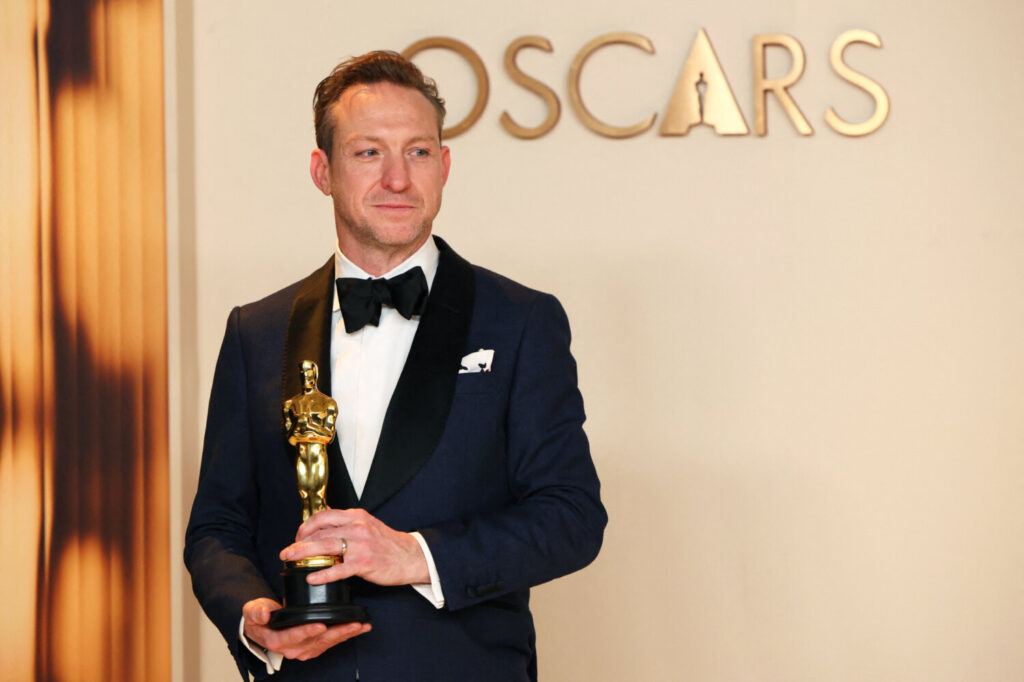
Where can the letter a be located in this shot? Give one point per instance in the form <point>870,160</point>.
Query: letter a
<point>714,104</point>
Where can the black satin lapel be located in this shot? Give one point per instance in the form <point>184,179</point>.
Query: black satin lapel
<point>309,331</point>
<point>341,494</point>
<point>309,338</point>
<point>419,407</point>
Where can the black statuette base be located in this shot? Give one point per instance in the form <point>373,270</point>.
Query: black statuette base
<point>305,603</point>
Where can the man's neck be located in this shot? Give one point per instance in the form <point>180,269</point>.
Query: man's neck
<point>378,260</point>
<point>426,257</point>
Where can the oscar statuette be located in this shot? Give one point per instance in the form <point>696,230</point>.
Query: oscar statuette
<point>309,422</point>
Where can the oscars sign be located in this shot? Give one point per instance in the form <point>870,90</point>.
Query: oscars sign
<point>702,95</point>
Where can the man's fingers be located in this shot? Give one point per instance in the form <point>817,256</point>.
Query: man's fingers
<point>311,647</point>
<point>302,642</point>
<point>371,549</point>
<point>332,573</point>
<point>258,611</point>
<point>328,518</point>
<point>297,636</point>
<point>290,640</point>
<point>340,633</point>
<point>258,615</point>
<point>329,545</point>
<point>334,635</point>
<point>330,532</point>
<point>322,519</point>
<point>301,550</point>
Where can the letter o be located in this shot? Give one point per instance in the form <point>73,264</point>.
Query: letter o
<point>482,83</point>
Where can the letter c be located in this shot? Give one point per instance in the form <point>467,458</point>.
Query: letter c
<point>576,100</point>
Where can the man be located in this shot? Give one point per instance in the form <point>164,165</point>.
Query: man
<point>455,487</point>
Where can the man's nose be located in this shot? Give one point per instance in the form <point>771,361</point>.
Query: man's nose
<point>396,175</point>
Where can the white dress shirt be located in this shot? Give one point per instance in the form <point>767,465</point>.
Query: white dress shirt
<point>365,368</point>
<point>366,365</point>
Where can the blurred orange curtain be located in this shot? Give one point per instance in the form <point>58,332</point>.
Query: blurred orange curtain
<point>84,555</point>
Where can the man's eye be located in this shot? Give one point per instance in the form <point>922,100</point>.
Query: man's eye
<point>420,152</point>
<point>367,153</point>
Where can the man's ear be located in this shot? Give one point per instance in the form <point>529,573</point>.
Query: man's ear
<point>446,164</point>
<point>320,171</point>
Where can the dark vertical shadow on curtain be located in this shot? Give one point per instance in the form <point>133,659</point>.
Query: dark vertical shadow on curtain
<point>88,337</point>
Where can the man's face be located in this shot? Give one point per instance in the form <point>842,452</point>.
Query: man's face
<point>386,172</point>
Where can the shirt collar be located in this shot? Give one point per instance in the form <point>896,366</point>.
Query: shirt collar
<point>426,257</point>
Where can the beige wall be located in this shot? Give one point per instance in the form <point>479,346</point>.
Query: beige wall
<point>800,356</point>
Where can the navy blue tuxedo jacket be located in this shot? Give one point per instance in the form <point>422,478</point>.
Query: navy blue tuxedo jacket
<point>493,468</point>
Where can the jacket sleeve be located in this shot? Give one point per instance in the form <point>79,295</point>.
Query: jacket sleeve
<point>220,541</point>
<point>555,522</point>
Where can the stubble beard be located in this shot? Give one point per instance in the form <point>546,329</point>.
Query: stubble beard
<point>375,241</point>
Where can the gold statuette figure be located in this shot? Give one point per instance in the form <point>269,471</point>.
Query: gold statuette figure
<point>309,421</point>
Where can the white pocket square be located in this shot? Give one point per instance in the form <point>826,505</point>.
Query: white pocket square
<point>478,361</point>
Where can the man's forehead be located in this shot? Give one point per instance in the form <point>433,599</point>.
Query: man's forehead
<point>384,95</point>
<point>360,90</point>
<point>363,105</point>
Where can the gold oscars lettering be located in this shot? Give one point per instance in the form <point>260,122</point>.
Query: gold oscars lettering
<point>702,95</point>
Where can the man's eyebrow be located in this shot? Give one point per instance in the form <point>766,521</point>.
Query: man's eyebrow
<point>362,138</point>
<point>419,139</point>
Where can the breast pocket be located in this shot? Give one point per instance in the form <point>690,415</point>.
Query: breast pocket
<point>475,382</point>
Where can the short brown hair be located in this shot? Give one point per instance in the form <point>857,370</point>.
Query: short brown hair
<point>381,66</point>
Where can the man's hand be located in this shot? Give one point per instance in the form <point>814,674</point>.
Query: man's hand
<point>372,550</point>
<point>302,641</point>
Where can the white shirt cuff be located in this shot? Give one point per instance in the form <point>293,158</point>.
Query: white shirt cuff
<point>431,591</point>
<point>271,659</point>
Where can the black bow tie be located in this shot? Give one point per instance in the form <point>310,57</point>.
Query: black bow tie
<point>361,299</point>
